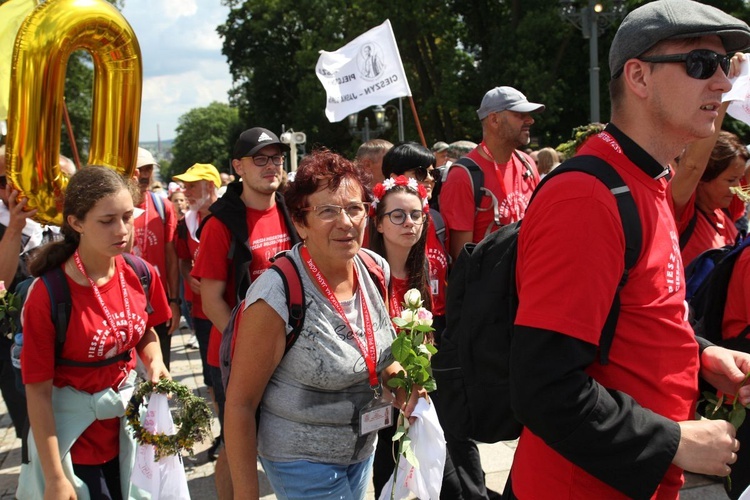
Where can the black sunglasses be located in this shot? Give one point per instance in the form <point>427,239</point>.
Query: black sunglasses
<point>421,173</point>
<point>700,63</point>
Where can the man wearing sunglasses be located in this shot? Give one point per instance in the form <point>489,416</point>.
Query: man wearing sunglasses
<point>508,175</point>
<point>624,428</point>
<point>247,226</point>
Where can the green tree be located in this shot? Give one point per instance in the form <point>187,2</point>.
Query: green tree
<point>205,135</point>
<point>453,52</point>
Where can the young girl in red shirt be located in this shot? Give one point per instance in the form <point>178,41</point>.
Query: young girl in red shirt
<point>108,323</point>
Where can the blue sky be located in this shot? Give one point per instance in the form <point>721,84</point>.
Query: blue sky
<point>183,67</point>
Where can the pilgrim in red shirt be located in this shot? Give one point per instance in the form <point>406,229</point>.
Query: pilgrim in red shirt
<point>152,234</point>
<point>268,236</point>
<point>187,249</point>
<point>513,195</point>
<point>89,339</point>
<point>714,229</point>
<point>574,230</point>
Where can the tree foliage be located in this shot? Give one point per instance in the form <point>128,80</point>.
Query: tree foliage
<point>453,52</point>
<point>205,135</point>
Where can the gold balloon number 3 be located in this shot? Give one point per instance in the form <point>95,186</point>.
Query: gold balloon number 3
<point>46,39</point>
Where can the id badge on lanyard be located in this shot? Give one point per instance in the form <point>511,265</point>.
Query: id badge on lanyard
<point>375,415</point>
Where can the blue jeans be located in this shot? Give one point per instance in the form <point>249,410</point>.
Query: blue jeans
<point>317,481</point>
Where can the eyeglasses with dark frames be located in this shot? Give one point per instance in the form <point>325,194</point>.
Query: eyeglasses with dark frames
<point>328,213</point>
<point>700,64</point>
<point>262,160</point>
<point>398,216</point>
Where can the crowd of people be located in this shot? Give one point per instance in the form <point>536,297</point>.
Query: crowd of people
<point>314,407</point>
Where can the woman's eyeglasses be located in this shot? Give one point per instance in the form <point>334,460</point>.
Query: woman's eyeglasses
<point>398,216</point>
<point>700,63</point>
<point>329,213</point>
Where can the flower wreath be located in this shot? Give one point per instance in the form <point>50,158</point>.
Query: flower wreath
<point>382,188</point>
<point>193,422</point>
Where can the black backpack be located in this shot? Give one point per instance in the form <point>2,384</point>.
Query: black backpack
<point>472,366</point>
<point>707,278</point>
<point>61,305</point>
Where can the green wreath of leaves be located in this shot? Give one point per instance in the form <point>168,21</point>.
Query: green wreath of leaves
<point>193,422</point>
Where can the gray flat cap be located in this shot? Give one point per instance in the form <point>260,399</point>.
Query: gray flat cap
<point>653,22</point>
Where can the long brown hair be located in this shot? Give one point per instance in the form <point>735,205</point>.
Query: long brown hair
<point>417,265</point>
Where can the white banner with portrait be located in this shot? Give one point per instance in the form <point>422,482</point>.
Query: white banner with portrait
<point>739,107</point>
<point>365,72</point>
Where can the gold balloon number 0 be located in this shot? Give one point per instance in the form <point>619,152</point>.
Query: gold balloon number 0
<point>46,39</point>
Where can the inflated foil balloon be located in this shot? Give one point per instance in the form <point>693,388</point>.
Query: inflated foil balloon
<point>45,41</point>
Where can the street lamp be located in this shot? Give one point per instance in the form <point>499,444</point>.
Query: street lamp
<point>366,132</point>
<point>592,20</point>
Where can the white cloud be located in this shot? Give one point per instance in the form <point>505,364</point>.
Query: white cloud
<point>182,62</point>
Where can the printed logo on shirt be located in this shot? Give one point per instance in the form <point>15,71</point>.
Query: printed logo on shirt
<point>513,207</point>
<point>674,265</point>
<point>101,345</point>
<point>606,137</point>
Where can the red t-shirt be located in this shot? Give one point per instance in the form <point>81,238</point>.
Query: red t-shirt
<point>268,235</point>
<point>398,289</point>
<point>570,260</point>
<point>187,249</point>
<point>438,260</point>
<point>89,338</point>
<point>513,195</point>
<point>716,233</point>
<point>152,234</point>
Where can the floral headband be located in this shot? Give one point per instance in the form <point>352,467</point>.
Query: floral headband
<point>382,188</point>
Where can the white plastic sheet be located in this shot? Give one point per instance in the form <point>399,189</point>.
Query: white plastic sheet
<point>428,443</point>
<point>165,479</point>
<point>739,108</point>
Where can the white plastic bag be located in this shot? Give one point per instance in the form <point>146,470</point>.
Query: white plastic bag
<point>428,443</point>
<point>745,495</point>
<point>165,479</point>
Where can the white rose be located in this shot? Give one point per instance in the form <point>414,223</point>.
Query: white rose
<point>413,298</point>
<point>407,315</point>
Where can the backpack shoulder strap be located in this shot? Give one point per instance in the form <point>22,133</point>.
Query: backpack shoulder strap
<point>528,170</point>
<point>439,224</point>
<point>182,230</point>
<point>295,296</point>
<point>159,205</point>
<point>475,174</point>
<point>631,226</point>
<point>60,304</point>
<point>688,232</point>
<point>144,275</point>
<point>376,272</point>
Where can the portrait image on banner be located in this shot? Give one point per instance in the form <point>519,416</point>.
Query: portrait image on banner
<point>365,72</point>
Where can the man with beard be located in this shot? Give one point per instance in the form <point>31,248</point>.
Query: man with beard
<point>509,175</point>
<point>153,241</point>
<point>246,228</point>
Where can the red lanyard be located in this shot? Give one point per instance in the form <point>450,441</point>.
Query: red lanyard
<point>98,295</point>
<point>513,208</point>
<point>368,350</point>
<point>395,304</point>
